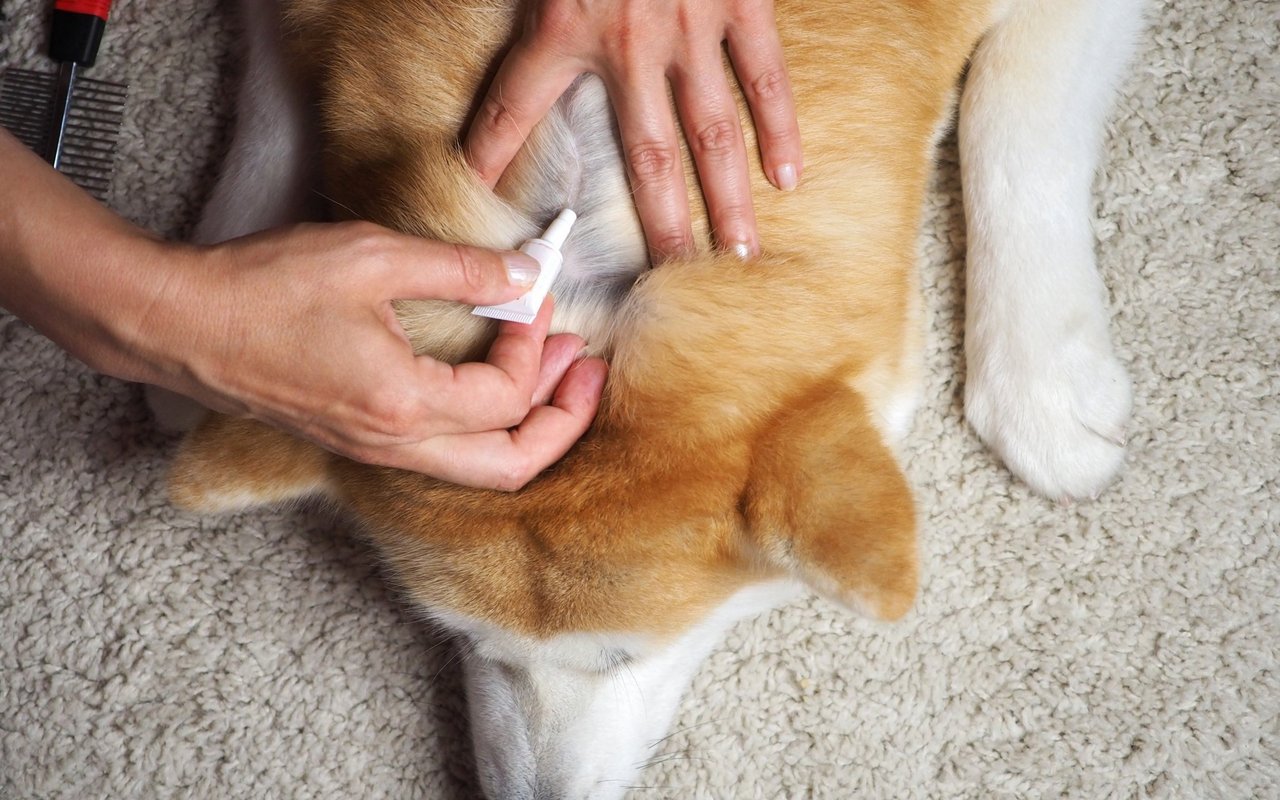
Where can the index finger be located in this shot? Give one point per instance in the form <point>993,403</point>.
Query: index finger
<point>528,83</point>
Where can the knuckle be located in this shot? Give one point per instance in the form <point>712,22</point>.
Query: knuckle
<point>516,474</point>
<point>778,140</point>
<point>718,139</point>
<point>366,252</point>
<point>365,237</point>
<point>393,412</point>
<point>364,232</point>
<point>670,244</point>
<point>730,217</point>
<point>496,115</point>
<point>621,37</point>
<point>652,161</point>
<point>770,86</point>
<point>370,242</point>
<point>555,24</point>
<point>473,270</point>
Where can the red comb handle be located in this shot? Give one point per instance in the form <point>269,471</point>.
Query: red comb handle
<point>97,8</point>
<point>77,30</point>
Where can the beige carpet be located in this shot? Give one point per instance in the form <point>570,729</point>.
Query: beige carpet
<point>1122,648</point>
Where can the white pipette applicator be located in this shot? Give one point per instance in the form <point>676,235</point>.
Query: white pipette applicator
<point>546,251</point>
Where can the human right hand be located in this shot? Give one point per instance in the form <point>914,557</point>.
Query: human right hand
<point>295,327</point>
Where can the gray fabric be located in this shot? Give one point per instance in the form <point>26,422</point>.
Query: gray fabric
<point>1121,648</point>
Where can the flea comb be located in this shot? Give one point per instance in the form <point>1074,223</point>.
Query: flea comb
<point>72,121</point>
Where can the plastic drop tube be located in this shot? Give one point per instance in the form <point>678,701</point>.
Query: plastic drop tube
<point>546,250</point>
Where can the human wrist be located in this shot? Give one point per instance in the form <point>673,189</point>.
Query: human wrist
<point>159,312</point>
<point>92,292</point>
<point>69,266</point>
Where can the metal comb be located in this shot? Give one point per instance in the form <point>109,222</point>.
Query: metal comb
<point>72,121</point>
<point>92,124</point>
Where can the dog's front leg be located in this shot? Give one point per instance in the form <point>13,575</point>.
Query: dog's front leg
<point>268,178</point>
<point>1044,388</point>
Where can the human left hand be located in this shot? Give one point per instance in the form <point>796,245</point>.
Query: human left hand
<point>637,47</point>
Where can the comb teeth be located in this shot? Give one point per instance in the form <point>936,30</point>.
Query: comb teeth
<point>97,110</point>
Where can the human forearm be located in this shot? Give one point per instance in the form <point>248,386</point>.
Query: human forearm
<point>71,268</point>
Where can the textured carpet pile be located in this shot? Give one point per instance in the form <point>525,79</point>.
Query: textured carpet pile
<point>1126,647</point>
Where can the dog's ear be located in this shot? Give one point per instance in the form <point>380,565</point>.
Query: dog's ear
<point>227,464</point>
<point>828,502</point>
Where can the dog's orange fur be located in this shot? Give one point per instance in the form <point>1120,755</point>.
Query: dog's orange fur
<point>741,434</point>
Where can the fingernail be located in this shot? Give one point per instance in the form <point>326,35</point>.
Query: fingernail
<point>742,250</point>
<point>785,177</point>
<point>522,270</point>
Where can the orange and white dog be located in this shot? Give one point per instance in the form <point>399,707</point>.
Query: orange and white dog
<point>743,450</point>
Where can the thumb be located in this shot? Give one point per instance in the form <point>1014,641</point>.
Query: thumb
<point>475,275</point>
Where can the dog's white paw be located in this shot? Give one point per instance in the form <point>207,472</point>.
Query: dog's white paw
<point>1053,403</point>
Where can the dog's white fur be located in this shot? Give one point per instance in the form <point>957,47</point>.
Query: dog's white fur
<point>579,715</point>
<point>1044,388</point>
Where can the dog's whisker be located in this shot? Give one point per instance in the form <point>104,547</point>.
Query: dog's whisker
<point>455,658</point>
<point>337,203</point>
<point>658,742</point>
<point>678,756</point>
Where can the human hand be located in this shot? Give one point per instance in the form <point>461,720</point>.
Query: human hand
<point>636,47</point>
<point>295,327</point>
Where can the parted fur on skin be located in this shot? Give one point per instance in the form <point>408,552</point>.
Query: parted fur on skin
<point>747,423</point>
